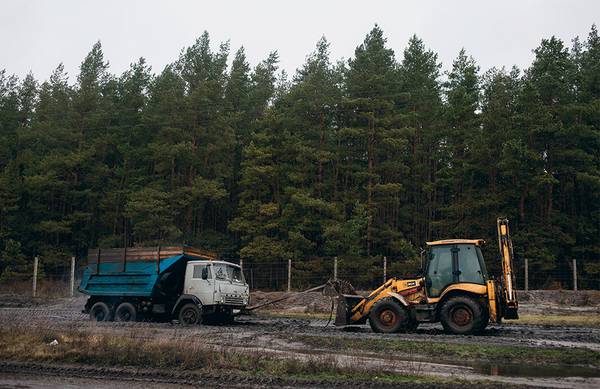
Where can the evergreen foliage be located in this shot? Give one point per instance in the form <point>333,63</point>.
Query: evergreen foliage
<point>357,159</point>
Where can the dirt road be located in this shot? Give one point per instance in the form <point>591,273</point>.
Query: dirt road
<point>461,357</point>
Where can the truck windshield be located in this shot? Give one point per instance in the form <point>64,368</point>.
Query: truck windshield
<point>228,272</point>
<point>235,274</point>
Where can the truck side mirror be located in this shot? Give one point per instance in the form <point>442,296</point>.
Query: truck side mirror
<point>205,273</point>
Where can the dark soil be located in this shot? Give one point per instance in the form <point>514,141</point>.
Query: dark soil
<point>262,331</point>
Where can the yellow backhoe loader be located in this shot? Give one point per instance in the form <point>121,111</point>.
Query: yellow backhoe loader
<point>455,290</point>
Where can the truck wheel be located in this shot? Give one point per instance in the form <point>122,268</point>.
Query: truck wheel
<point>227,318</point>
<point>190,314</point>
<point>461,315</point>
<point>388,316</point>
<point>100,312</point>
<point>125,312</point>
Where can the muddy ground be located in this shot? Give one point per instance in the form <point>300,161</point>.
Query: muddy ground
<point>298,328</point>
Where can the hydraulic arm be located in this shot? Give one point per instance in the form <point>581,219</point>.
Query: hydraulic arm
<point>511,304</point>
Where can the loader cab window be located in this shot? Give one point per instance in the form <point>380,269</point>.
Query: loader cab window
<point>470,264</point>
<point>439,270</point>
<point>451,264</point>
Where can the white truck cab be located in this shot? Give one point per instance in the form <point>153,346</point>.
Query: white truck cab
<point>220,286</point>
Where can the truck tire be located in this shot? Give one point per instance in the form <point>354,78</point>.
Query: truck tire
<point>388,316</point>
<point>125,312</point>
<point>190,314</point>
<point>462,315</point>
<point>100,312</point>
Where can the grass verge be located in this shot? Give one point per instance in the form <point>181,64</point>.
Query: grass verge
<point>474,353</point>
<point>75,347</point>
<point>558,320</point>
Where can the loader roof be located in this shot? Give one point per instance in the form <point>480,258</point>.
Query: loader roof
<point>477,242</point>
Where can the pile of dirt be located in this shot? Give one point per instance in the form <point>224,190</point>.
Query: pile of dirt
<point>582,298</point>
<point>313,302</point>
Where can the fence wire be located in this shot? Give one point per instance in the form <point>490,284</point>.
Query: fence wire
<point>54,278</point>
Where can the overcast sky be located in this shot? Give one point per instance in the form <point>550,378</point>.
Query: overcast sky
<point>38,35</point>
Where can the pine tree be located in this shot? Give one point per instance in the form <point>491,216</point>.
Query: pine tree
<point>459,177</point>
<point>422,120</point>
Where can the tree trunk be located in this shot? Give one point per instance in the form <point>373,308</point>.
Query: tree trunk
<point>371,163</point>
<point>522,204</point>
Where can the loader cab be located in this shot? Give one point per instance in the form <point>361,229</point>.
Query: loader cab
<point>452,262</point>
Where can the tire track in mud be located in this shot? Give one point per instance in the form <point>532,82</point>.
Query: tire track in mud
<point>278,335</point>
<point>57,317</point>
<point>190,378</point>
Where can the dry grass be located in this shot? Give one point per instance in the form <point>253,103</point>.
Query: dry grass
<point>45,288</point>
<point>33,344</point>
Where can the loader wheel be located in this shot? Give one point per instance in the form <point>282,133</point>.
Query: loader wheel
<point>100,312</point>
<point>190,314</point>
<point>484,321</point>
<point>462,315</point>
<point>388,316</point>
<point>412,326</point>
<point>125,312</point>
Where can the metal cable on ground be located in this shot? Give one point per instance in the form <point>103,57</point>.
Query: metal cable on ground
<point>330,312</point>
<point>252,308</point>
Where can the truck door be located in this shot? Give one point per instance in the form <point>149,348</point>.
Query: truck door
<point>204,289</point>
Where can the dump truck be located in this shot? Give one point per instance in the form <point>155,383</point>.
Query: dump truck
<point>162,283</point>
<point>455,290</point>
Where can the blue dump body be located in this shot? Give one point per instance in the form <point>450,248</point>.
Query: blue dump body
<point>139,279</point>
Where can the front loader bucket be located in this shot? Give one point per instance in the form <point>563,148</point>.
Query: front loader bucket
<point>345,304</point>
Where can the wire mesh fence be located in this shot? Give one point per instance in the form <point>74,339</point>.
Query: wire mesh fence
<point>57,278</point>
<point>368,274</point>
<point>52,278</point>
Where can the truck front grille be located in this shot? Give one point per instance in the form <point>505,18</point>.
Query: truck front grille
<point>234,300</point>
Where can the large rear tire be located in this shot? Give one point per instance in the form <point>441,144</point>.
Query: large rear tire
<point>125,312</point>
<point>484,321</point>
<point>462,315</point>
<point>190,315</point>
<point>100,311</point>
<point>388,316</point>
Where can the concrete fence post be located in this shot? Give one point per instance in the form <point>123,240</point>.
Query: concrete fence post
<point>384,268</point>
<point>575,275</point>
<point>526,274</point>
<point>35,273</point>
<point>289,277</point>
<point>335,268</point>
<point>72,279</point>
<point>242,264</point>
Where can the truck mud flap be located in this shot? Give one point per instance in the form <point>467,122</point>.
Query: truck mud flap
<point>345,304</point>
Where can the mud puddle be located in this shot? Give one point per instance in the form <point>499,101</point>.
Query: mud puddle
<point>537,371</point>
